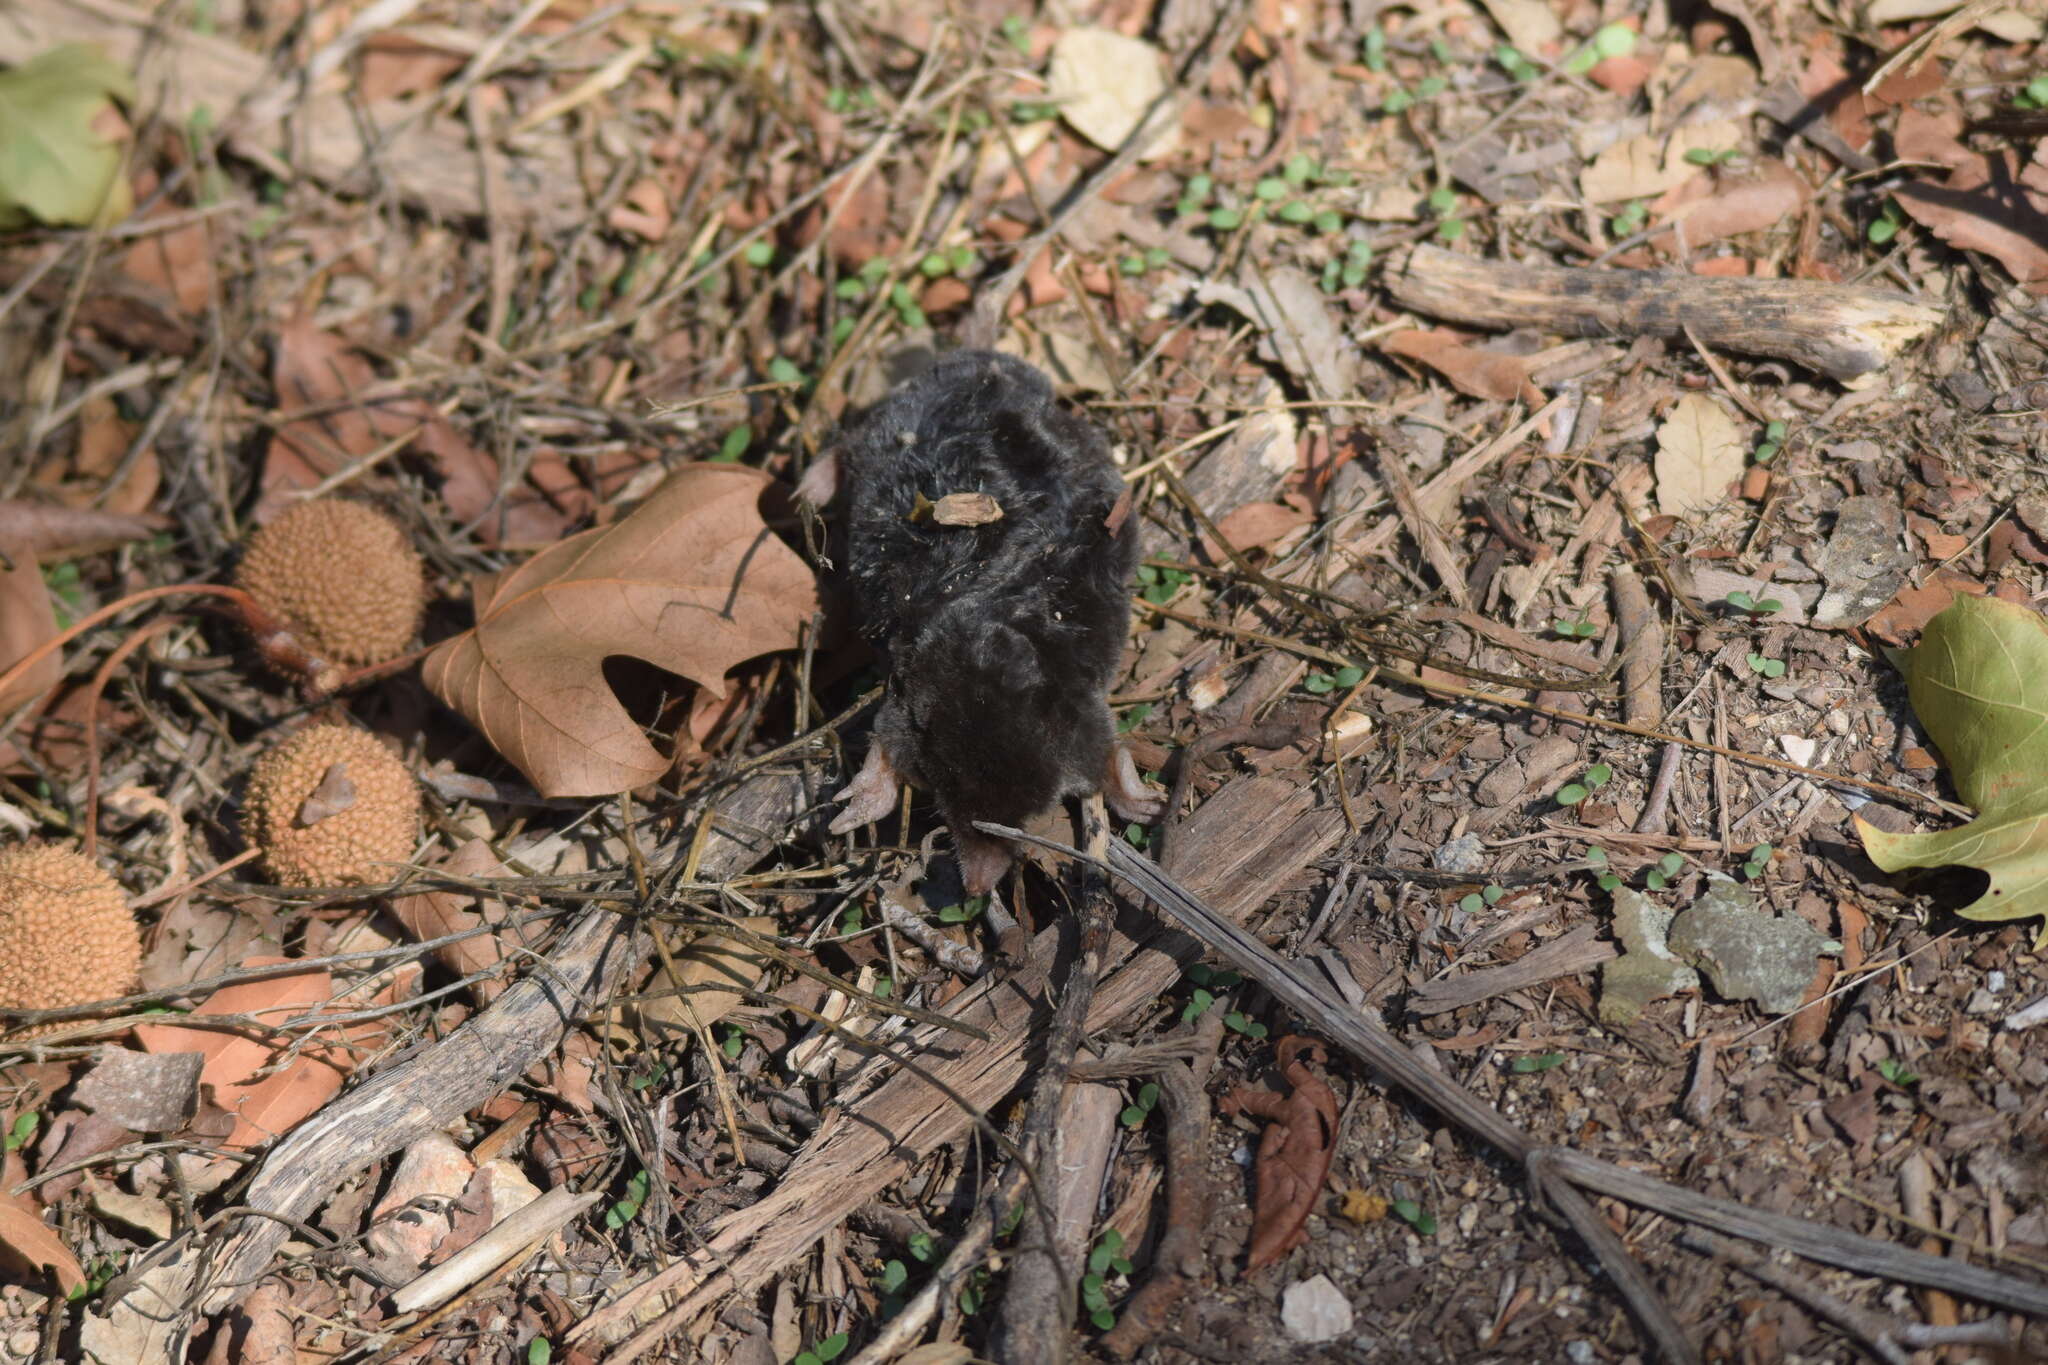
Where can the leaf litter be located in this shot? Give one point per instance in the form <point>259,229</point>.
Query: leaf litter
<point>754,220</point>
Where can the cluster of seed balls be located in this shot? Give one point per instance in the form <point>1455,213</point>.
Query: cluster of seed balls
<point>329,806</point>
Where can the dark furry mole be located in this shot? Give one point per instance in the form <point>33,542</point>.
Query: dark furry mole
<point>1000,639</point>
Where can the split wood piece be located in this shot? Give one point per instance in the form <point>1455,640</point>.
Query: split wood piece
<point>477,1062</point>
<point>1177,1258</point>
<point>510,1235</point>
<point>1244,845</point>
<point>1844,331</point>
<point>1575,952</point>
<point>1642,659</point>
<point>429,163</point>
<point>1556,1173</point>
<point>1038,1302</point>
<point>1449,566</point>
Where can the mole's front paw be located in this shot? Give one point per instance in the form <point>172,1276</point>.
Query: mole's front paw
<point>872,793</point>
<point>1126,792</point>
<point>820,483</point>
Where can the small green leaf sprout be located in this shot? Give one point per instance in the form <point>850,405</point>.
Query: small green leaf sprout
<point>1759,862</point>
<point>1773,442</point>
<point>1594,778</point>
<point>1606,880</point>
<point>1136,1112</point>
<point>1665,872</point>
<point>1320,683</point>
<point>1473,902</point>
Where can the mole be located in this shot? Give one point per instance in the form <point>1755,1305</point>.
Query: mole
<point>1000,639</point>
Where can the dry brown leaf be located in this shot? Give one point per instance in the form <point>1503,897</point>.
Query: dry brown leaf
<point>1699,453</point>
<point>435,914</point>
<point>1829,86</point>
<point>643,210</point>
<point>1645,166</point>
<point>27,1244</point>
<point>692,581</point>
<point>44,531</point>
<point>1532,26</point>
<point>314,369</point>
<point>1258,526</point>
<point>83,476</point>
<point>1294,1152</point>
<point>263,1327</point>
<point>1482,374</point>
<point>178,261</point>
<point>1906,615</point>
<point>1991,204</point>
<point>1106,85</point>
<point>264,1103</point>
<point>28,620</point>
<point>711,976</point>
<point>395,64</point>
<point>1709,208</point>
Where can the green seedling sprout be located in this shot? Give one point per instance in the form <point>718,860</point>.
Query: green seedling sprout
<point>1140,1109</point>
<point>1473,902</point>
<point>1320,683</point>
<point>1594,778</point>
<point>1665,872</point>
<point>1750,606</point>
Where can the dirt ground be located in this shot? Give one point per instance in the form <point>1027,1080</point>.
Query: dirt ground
<point>1534,410</point>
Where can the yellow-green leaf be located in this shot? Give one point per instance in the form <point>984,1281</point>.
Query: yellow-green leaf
<point>1978,680</point>
<point>57,164</point>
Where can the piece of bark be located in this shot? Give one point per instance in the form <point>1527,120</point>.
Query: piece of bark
<point>880,1136</point>
<point>481,1059</point>
<point>1642,660</point>
<point>1578,951</point>
<point>430,164</point>
<point>1844,331</point>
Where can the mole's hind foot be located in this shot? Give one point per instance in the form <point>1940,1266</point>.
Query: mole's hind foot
<point>872,793</point>
<point>1126,792</point>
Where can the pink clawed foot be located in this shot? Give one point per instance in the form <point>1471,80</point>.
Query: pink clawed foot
<point>820,483</point>
<point>1126,792</point>
<point>872,793</point>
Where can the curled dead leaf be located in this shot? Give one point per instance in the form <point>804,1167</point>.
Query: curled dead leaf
<point>692,581</point>
<point>28,620</point>
<point>1482,374</point>
<point>1294,1152</point>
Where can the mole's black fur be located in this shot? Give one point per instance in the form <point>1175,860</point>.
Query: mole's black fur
<point>1001,640</point>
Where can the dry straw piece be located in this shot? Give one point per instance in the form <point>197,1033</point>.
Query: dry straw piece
<point>343,574</point>
<point>332,807</point>
<point>66,937</point>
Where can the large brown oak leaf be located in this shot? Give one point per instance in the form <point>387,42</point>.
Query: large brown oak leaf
<point>692,581</point>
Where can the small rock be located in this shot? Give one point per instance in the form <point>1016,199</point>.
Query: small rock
<point>1647,969</point>
<point>1749,954</point>
<point>1315,1310</point>
<point>1863,562</point>
<point>1464,854</point>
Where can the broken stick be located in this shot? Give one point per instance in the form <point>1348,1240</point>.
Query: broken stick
<point>1844,331</point>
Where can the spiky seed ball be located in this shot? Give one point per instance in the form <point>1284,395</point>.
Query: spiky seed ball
<point>332,807</point>
<point>66,936</point>
<point>343,573</point>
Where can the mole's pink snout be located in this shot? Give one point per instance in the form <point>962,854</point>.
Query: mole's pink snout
<point>983,860</point>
